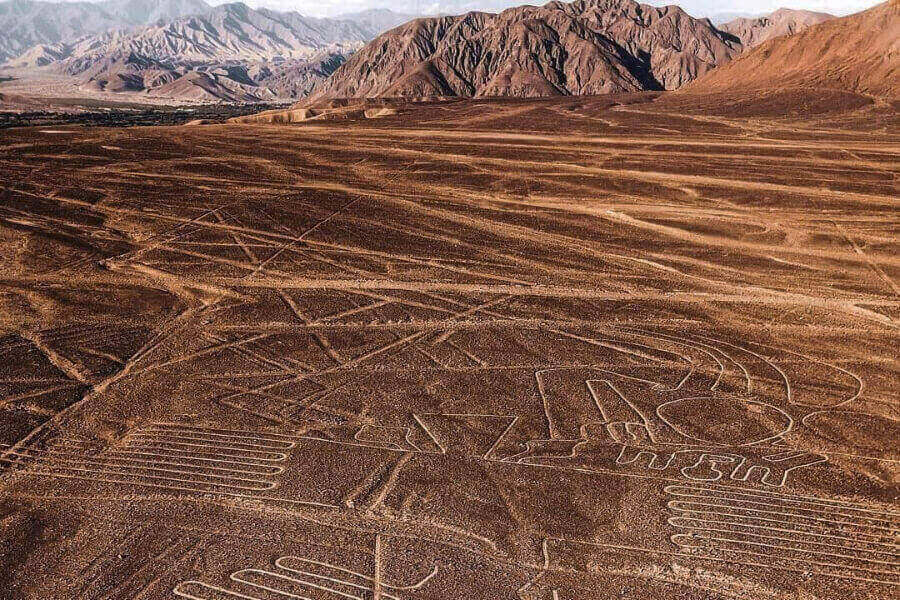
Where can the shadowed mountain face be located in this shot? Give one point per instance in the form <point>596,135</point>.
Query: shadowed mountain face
<point>230,52</point>
<point>859,53</point>
<point>24,23</point>
<point>583,47</point>
<point>754,31</point>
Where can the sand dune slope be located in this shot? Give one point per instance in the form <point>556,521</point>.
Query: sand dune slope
<point>859,53</point>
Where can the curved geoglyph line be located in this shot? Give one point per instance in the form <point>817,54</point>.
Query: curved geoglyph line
<point>767,498</point>
<point>271,439</point>
<point>753,364</point>
<point>712,344</point>
<point>280,564</point>
<point>722,372</point>
<point>293,581</point>
<point>832,538</point>
<point>173,456</point>
<point>728,378</point>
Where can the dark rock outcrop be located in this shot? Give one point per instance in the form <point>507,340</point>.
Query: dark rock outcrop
<point>582,47</point>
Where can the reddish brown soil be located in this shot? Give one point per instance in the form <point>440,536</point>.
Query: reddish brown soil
<point>580,348</point>
<point>860,53</point>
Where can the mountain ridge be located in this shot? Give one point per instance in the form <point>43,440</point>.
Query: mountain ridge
<point>230,52</point>
<point>580,47</point>
<point>26,23</point>
<point>754,31</point>
<point>859,53</point>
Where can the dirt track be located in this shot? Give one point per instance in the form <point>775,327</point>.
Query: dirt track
<point>538,350</point>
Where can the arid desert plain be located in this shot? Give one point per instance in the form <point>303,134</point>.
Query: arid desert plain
<point>563,349</point>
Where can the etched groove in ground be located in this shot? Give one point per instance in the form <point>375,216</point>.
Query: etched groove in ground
<point>825,537</point>
<point>180,457</point>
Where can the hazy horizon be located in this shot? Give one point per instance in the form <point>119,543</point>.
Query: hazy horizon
<point>697,8</point>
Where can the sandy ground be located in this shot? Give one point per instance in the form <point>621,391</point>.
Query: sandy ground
<point>544,350</point>
<point>43,88</point>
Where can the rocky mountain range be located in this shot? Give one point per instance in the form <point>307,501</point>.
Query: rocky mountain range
<point>582,47</point>
<point>238,54</point>
<point>230,52</point>
<point>25,23</point>
<point>859,53</point>
<point>784,21</point>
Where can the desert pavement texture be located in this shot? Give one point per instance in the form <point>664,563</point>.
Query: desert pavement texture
<point>560,349</point>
